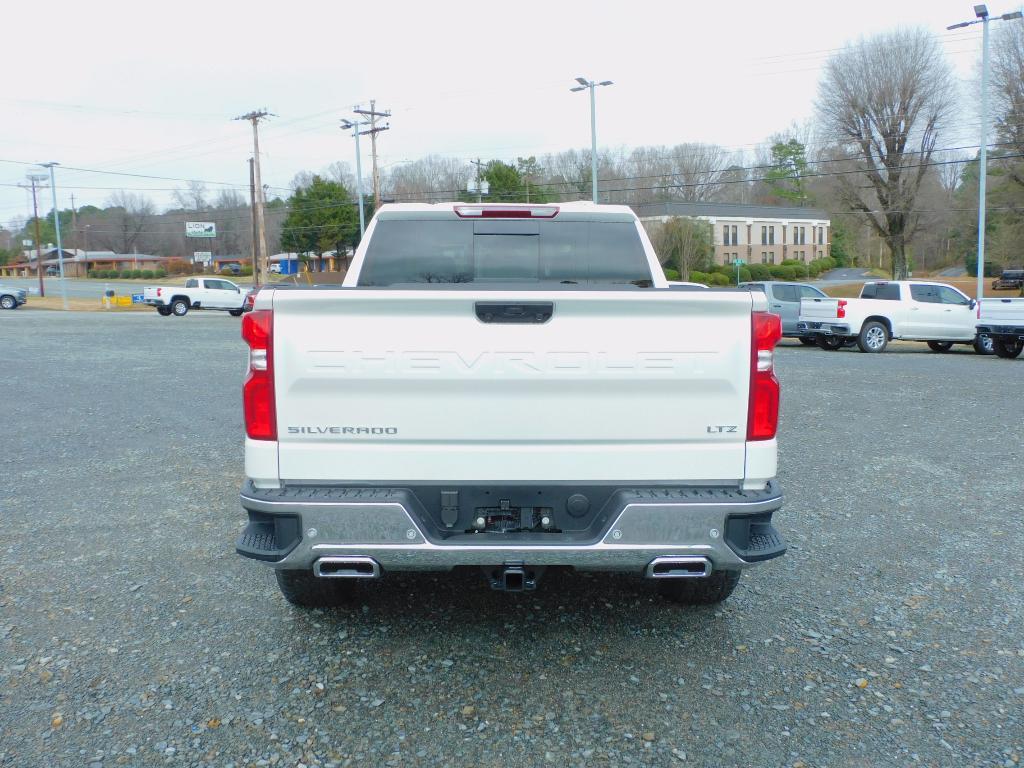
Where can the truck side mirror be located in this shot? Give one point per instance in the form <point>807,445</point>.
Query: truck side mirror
<point>973,303</point>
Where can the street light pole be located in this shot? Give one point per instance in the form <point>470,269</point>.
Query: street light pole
<point>56,227</point>
<point>585,84</point>
<point>346,124</point>
<point>981,12</point>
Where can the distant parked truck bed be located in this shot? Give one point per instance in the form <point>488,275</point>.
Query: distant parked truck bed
<point>1010,278</point>
<point>935,313</point>
<point>1003,321</point>
<point>197,293</point>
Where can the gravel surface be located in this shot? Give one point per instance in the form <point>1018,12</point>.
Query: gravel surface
<point>131,634</point>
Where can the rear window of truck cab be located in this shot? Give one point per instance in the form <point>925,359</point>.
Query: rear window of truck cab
<point>883,291</point>
<point>445,251</point>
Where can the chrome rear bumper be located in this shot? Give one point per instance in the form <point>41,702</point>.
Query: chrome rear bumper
<point>296,528</point>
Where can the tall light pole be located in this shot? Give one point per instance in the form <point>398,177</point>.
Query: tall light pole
<point>981,12</point>
<point>584,84</point>
<point>346,125</point>
<point>56,228</point>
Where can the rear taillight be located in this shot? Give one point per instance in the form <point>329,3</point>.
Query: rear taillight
<point>258,389</point>
<point>511,212</point>
<point>159,291</point>
<point>763,410</point>
<point>841,309</point>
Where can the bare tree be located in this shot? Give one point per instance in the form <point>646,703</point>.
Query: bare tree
<point>341,172</point>
<point>882,103</point>
<point>125,219</point>
<point>683,243</point>
<point>193,197</point>
<point>431,178</point>
<point>1008,84</point>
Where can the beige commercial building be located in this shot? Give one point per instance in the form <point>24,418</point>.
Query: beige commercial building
<point>757,234</point>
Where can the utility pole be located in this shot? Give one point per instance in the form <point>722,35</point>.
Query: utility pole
<point>345,125</point>
<point>373,114</point>
<point>33,178</point>
<point>255,234</point>
<point>479,189</point>
<point>261,225</point>
<point>56,227</point>
<point>74,218</point>
<point>981,12</point>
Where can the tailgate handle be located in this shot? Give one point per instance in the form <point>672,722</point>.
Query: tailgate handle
<point>514,312</point>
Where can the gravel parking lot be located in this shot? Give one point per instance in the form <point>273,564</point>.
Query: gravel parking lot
<point>131,634</point>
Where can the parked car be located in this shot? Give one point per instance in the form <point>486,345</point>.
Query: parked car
<point>499,406</point>
<point>1003,321</point>
<point>275,268</point>
<point>1010,278</point>
<point>936,313</point>
<point>197,293</point>
<point>11,297</point>
<point>53,272</point>
<point>784,300</point>
<point>233,268</point>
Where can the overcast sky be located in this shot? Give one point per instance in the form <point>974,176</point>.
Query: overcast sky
<point>150,88</point>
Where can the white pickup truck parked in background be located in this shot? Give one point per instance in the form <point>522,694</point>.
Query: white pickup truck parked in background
<point>509,387</point>
<point>1003,321</point>
<point>196,293</point>
<point>909,310</point>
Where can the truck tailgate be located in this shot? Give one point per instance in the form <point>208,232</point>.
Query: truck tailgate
<point>410,385</point>
<point>819,310</point>
<point>1000,312</point>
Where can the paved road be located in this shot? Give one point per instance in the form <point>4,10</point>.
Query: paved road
<point>131,634</point>
<point>844,275</point>
<point>87,289</point>
<point>953,272</point>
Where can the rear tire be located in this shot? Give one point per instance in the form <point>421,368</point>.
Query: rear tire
<point>940,346</point>
<point>304,589</point>
<point>179,307</point>
<point>873,337</point>
<point>1007,349</point>
<point>707,591</point>
<point>808,341</point>
<point>983,344</point>
<point>164,311</point>
<point>235,312</point>
<point>830,343</point>
<point>8,302</point>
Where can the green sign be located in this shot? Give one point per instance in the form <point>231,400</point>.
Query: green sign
<point>739,261</point>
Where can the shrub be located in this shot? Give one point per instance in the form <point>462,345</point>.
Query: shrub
<point>746,275</point>
<point>125,274</point>
<point>136,274</point>
<point>159,273</point>
<point>226,272</point>
<point>670,274</point>
<point>791,262</point>
<point>93,273</point>
<point>699,277</point>
<point>717,278</point>
<point>147,274</point>
<point>246,270</point>
<point>178,267</point>
<point>760,272</point>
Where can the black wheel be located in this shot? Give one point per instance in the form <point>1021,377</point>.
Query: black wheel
<point>983,344</point>
<point>940,346</point>
<point>808,341</point>
<point>235,312</point>
<point>1006,348</point>
<point>707,591</point>
<point>165,311</point>
<point>304,589</point>
<point>8,302</point>
<point>831,343</point>
<point>874,337</point>
<point>179,307</point>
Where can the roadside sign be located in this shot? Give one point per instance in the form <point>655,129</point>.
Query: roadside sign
<point>136,298</point>
<point>200,229</point>
<point>739,261</point>
<point>27,243</point>
<point>202,257</point>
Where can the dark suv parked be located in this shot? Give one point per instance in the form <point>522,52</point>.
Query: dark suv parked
<point>1011,278</point>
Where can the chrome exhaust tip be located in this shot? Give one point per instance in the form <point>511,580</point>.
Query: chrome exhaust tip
<point>347,568</point>
<point>678,568</point>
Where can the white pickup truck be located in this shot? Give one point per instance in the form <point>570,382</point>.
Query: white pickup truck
<point>909,310</point>
<point>509,387</point>
<point>1003,321</point>
<point>197,293</point>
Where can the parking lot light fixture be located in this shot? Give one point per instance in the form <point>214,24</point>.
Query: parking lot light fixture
<point>981,12</point>
<point>584,85</point>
